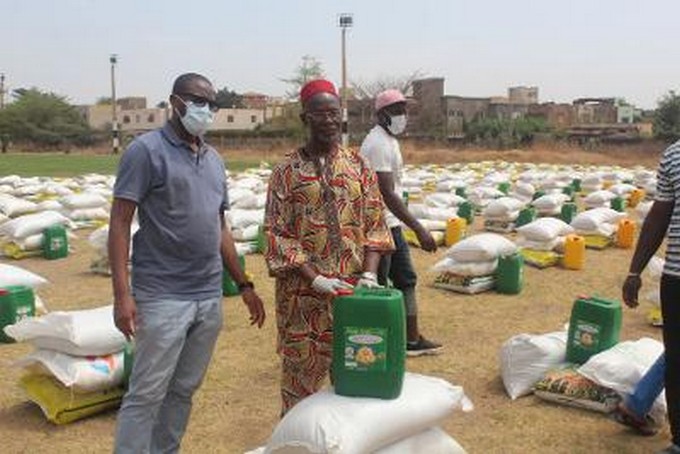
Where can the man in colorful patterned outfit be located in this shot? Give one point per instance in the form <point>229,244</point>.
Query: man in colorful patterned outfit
<point>324,225</point>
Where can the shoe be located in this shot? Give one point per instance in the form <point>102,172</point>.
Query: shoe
<point>672,449</point>
<point>422,347</point>
<point>646,426</point>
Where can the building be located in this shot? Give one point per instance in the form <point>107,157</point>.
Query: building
<point>558,116</point>
<point>237,119</point>
<point>460,110</point>
<point>253,100</point>
<point>595,111</point>
<point>138,120</point>
<point>523,95</point>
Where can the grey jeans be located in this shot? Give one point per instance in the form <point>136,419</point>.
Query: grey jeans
<point>173,346</point>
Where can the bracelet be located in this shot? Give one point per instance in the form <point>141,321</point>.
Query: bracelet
<point>244,285</point>
<point>633,274</point>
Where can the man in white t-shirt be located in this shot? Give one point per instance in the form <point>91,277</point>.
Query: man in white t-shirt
<point>381,150</point>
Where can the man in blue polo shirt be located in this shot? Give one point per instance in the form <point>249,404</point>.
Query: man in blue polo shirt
<point>173,308</point>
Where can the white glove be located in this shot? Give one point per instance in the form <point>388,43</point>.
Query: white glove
<point>368,280</point>
<point>323,284</point>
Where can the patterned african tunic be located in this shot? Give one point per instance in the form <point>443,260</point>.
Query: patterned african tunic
<point>325,215</point>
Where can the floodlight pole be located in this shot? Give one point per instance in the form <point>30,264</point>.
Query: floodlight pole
<point>345,21</point>
<point>114,115</point>
<point>2,91</point>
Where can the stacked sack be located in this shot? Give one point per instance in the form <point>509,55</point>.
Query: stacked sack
<point>247,197</point>
<point>11,207</point>
<point>536,363</point>
<point>550,204</point>
<point>542,241</point>
<point>500,214</point>
<point>599,199</point>
<point>523,191</point>
<point>98,239</point>
<point>78,367</point>
<point>481,196</point>
<point>23,236</point>
<point>604,380</point>
<point>598,226</point>
<point>329,423</point>
<point>470,265</point>
<point>86,209</point>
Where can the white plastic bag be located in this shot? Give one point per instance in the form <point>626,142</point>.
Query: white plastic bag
<point>545,229</point>
<point>623,365</point>
<point>84,200</point>
<point>79,333</point>
<point>13,275</point>
<point>450,265</point>
<point>332,424</point>
<point>12,206</point>
<point>525,359</point>
<point>30,224</point>
<point>431,441</point>
<point>482,247</point>
<point>81,373</point>
<point>502,207</point>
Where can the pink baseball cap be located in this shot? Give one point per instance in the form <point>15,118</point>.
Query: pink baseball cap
<point>388,97</point>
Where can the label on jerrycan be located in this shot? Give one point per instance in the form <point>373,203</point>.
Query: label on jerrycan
<point>586,335</point>
<point>365,348</point>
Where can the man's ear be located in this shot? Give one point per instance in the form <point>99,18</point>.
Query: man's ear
<point>176,104</point>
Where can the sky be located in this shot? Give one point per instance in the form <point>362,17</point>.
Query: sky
<point>569,49</point>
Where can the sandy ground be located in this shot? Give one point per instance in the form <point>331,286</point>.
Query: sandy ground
<point>237,406</point>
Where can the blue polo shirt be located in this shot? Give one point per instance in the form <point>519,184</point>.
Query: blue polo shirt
<point>179,195</point>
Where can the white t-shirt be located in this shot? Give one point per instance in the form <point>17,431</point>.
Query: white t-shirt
<point>382,152</point>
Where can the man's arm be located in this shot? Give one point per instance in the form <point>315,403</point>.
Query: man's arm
<point>231,262</point>
<point>651,236</point>
<point>125,308</point>
<point>397,207</point>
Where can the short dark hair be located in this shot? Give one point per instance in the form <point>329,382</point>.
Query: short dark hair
<point>182,81</point>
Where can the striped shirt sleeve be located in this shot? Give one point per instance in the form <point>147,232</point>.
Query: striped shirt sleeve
<point>667,166</point>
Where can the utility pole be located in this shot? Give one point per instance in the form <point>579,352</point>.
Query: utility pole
<point>345,21</point>
<point>114,115</point>
<point>2,90</point>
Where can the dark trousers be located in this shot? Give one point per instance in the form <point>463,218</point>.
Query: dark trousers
<point>670,310</point>
<point>399,268</point>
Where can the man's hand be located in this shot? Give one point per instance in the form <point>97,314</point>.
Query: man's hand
<point>255,307</point>
<point>323,284</point>
<point>426,240</point>
<point>631,288</point>
<point>125,316</point>
<point>369,280</point>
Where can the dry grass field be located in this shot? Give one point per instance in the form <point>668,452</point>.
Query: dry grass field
<point>237,406</point>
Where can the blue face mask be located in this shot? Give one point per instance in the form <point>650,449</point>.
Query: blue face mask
<point>196,120</point>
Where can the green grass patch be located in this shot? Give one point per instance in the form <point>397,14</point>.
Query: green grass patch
<point>69,165</point>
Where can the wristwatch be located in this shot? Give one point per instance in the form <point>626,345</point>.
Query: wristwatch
<point>244,285</point>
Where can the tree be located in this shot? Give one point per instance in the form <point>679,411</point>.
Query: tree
<point>103,101</point>
<point>229,99</point>
<point>667,118</point>
<point>309,69</point>
<point>44,119</point>
<point>369,90</point>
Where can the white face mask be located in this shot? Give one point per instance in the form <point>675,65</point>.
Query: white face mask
<point>397,124</point>
<point>196,120</point>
